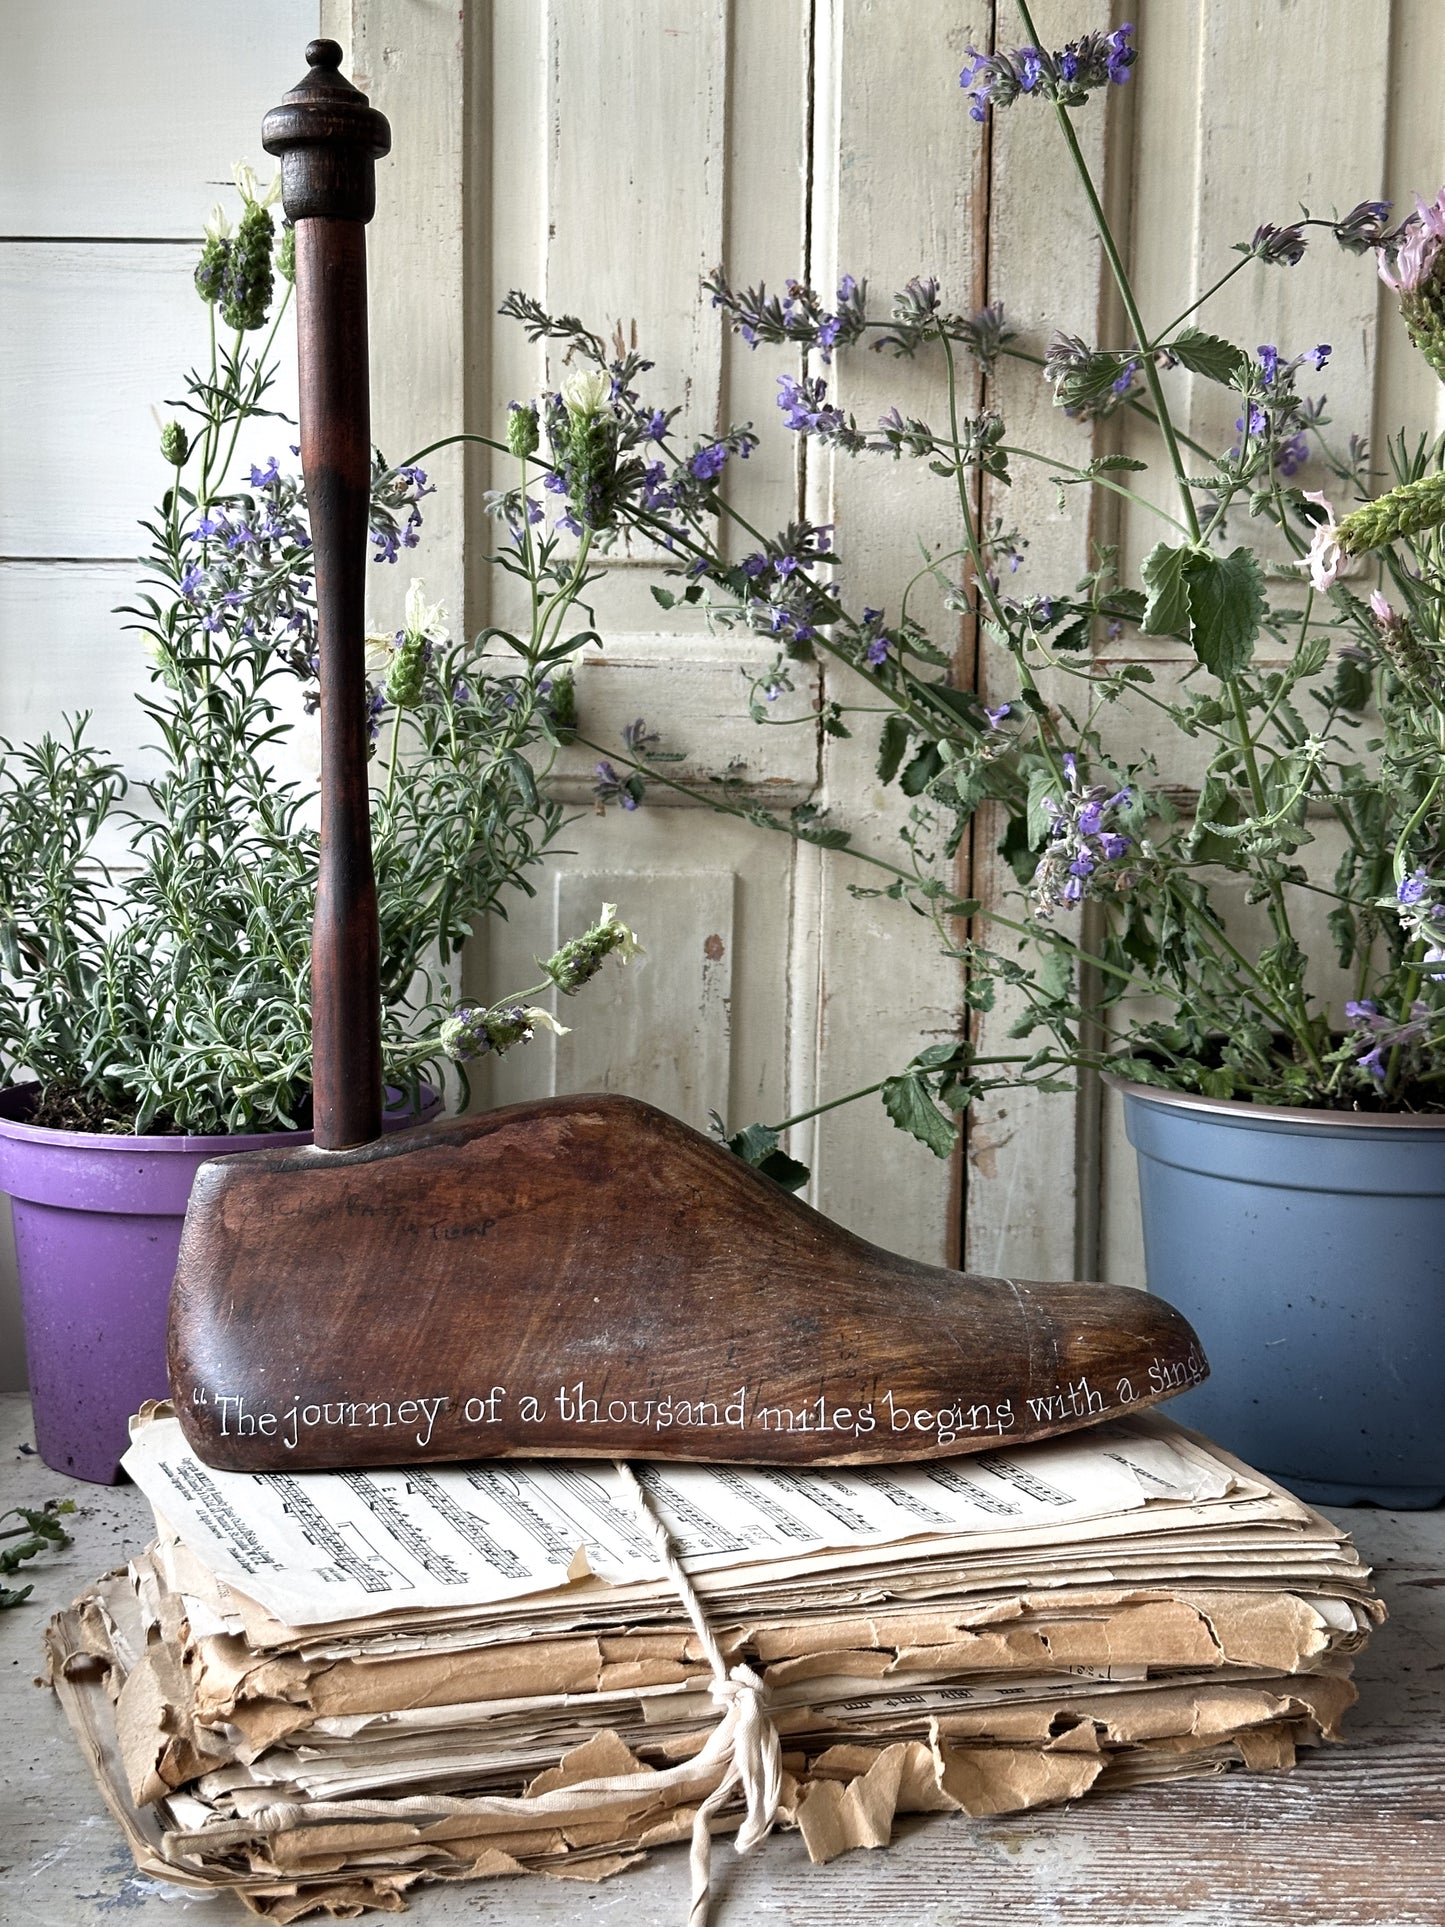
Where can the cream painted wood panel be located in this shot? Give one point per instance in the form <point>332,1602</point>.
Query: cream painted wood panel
<point>1028,1199</point>
<point>628,153</point>
<point>673,1029</point>
<point>97,338</point>
<point>899,190</point>
<point>118,116</point>
<point>663,1023</point>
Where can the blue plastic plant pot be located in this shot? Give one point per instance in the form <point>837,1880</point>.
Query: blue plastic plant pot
<point>1307,1249</point>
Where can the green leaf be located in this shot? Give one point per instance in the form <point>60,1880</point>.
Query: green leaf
<point>1041,787</point>
<point>1226,607</point>
<point>934,1056</point>
<point>1166,612</point>
<point>921,770</point>
<point>1076,635</point>
<point>807,824</point>
<point>753,1143</point>
<point>664,598</point>
<point>907,1101</point>
<point>1111,464</point>
<point>1209,355</point>
<point>757,1145</point>
<point>784,1171</point>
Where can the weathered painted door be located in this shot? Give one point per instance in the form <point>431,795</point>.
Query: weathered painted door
<point>605,159</point>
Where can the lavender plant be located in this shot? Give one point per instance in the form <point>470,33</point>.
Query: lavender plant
<point>1122,890</point>
<point>171,992</point>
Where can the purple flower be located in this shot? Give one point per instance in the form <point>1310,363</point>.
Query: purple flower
<point>1320,355</point>
<point>996,716</point>
<point>656,426</point>
<point>1412,888</point>
<point>1278,247</point>
<point>555,482</point>
<point>263,477</point>
<point>708,463</point>
<point>1124,380</point>
<point>755,565</point>
<point>1030,64</point>
<point>387,544</point>
<point>1291,456</point>
<point>1079,841</point>
<point>804,405</point>
<point>1269,364</point>
<point>1363,227</point>
<point>1121,56</point>
<point>191,581</point>
<point>877,651</point>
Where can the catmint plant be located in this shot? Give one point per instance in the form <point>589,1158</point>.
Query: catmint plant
<point>171,993</point>
<point>1122,883</point>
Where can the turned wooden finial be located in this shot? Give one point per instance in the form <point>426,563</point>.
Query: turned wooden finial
<point>329,139</point>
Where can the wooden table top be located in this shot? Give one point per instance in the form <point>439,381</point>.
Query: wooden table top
<point>1354,1837</point>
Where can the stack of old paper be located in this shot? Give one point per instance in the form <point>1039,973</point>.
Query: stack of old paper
<point>318,1690</point>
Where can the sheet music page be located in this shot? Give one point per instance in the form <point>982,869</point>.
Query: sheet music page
<point>317,1547</point>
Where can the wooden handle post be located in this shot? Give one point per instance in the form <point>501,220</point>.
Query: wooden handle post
<point>329,140</point>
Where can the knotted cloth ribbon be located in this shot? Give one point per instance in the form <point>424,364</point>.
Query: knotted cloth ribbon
<point>746,1735</point>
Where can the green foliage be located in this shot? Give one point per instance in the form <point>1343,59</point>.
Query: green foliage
<point>1211,355</point>
<point>1164,824</point>
<point>155,946</point>
<point>757,1145</point>
<point>1226,607</point>
<point>39,1531</point>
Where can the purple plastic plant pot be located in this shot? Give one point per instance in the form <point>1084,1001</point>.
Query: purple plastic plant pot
<point>97,1231</point>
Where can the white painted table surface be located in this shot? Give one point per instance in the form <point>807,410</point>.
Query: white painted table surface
<point>1355,1834</point>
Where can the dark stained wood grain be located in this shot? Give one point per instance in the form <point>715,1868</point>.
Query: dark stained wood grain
<point>329,140</point>
<point>645,1290</point>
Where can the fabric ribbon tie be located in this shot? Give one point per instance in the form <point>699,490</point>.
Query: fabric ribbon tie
<point>745,1737</point>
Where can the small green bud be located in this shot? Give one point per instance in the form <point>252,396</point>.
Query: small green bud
<point>211,269</point>
<point>522,435</point>
<point>579,961</point>
<point>584,453</point>
<point>406,677</point>
<point>286,254</point>
<point>562,705</point>
<point>473,1032</point>
<point>1410,509</point>
<point>247,284</point>
<point>175,445</point>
